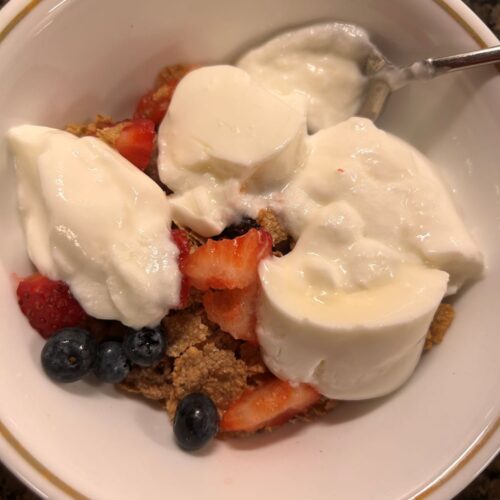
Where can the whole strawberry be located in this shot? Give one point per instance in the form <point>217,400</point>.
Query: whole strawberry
<point>48,305</point>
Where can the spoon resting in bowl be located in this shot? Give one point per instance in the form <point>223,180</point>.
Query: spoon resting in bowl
<point>386,78</point>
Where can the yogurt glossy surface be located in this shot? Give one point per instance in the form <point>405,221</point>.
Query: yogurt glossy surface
<point>95,221</point>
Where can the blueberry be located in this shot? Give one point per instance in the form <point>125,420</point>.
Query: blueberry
<point>196,421</point>
<point>111,364</point>
<point>235,230</point>
<point>145,347</point>
<point>69,354</point>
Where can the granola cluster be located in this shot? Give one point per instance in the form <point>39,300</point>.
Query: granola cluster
<point>102,127</point>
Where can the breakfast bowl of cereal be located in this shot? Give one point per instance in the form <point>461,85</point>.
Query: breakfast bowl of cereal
<point>214,263</point>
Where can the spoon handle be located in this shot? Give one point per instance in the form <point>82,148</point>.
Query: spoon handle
<point>440,65</point>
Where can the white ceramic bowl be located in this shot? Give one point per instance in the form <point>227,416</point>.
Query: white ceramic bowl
<point>65,60</point>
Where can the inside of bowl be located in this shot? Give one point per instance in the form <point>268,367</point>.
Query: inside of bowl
<point>67,61</point>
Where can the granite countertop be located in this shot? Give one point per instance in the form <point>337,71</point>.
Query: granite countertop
<point>485,487</point>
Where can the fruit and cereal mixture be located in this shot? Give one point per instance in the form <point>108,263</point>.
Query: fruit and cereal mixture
<point>202,363</point>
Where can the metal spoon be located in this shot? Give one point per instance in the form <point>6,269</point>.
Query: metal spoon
<point>385,78</point>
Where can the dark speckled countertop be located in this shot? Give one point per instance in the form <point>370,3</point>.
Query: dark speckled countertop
<point>484,487</point>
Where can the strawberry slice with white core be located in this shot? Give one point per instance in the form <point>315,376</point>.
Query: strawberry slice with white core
<point>228,264</point>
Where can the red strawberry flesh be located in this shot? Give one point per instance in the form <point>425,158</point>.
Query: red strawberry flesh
<point>234,311</point>
<point>48,305</point>
<point>269,405</point>
<point>136,142</point>
<point>154,104</point>
<point>228,264</point>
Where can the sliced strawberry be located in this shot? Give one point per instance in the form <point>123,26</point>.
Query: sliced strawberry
<point>48,305</point>
<point>228,264</point>
<point>181,239</point>
<point>269,405</point>
<point>154,104</point>
<point>234,311</point>
<point>136,142</point>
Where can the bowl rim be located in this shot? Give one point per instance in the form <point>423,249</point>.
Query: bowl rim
<point>470,464</point>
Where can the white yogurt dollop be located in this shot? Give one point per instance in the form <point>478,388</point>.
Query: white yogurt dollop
<point>343,312</point>
<point>394,189</point>
<point>224,133</point>
<point>95,221</point>
<point>379,245</point>
<point>321,64</point>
